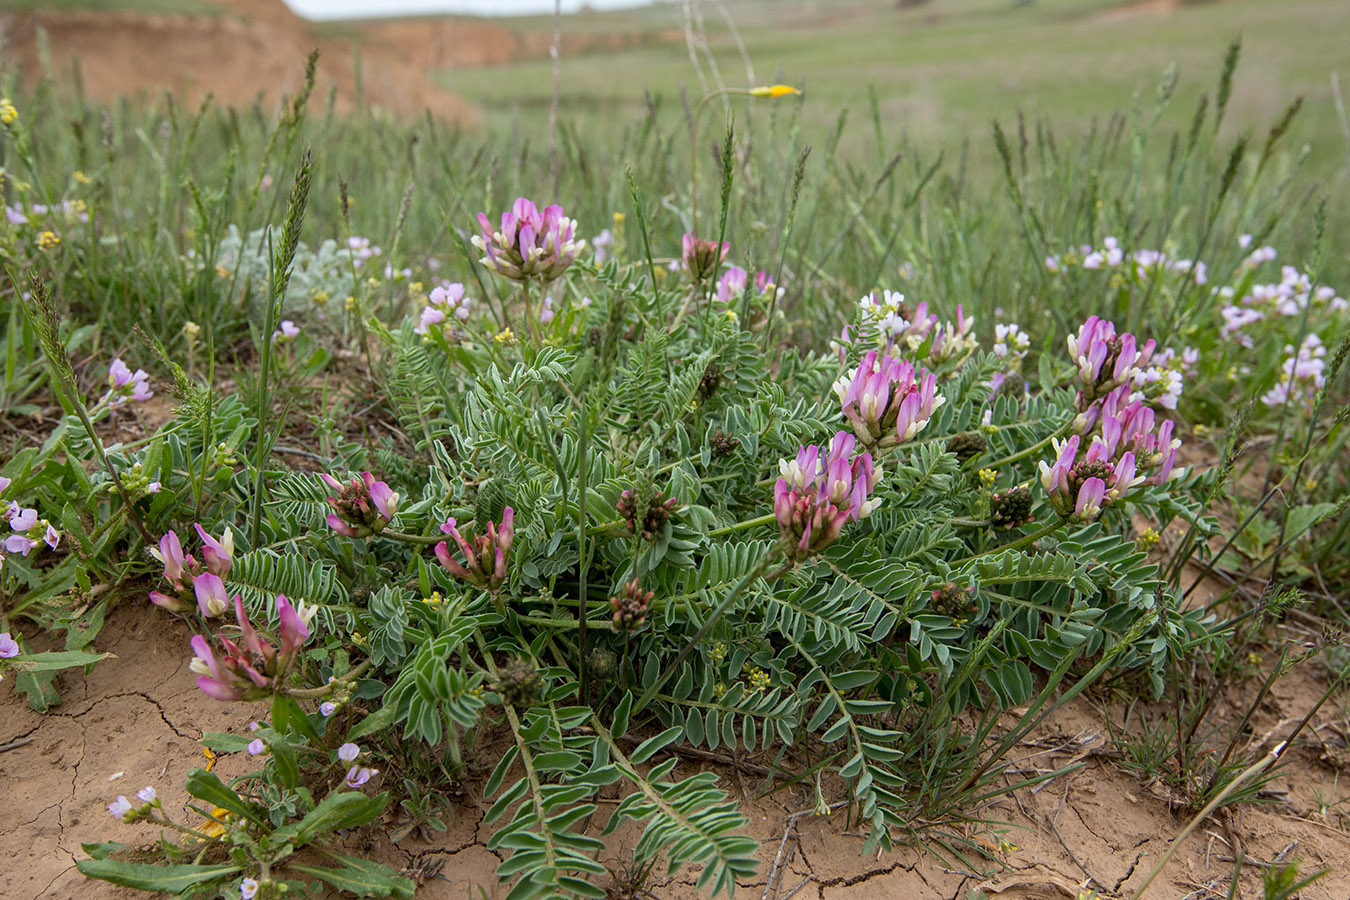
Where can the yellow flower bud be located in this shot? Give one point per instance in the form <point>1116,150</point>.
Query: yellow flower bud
<point>774,91</point>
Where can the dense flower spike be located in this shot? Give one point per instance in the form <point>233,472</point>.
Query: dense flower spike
<point>645,518</point>
<point>257,668</point>
<point>1011,508</point>
<point>630,610</point>
<point>1105,360</point>
<point>362,507</point>
<point>702,257</point>
<point>887,401</point>
<point>447,298</point>
<point>125,386</point>
<point>530,245</point>
<point>815,498</point>
<point>1128,424</point>
<point>485,556</point>
<point>182,570</point>
<point>1079,489</point>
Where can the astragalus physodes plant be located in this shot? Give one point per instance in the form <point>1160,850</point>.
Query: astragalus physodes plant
<point>635,526</point>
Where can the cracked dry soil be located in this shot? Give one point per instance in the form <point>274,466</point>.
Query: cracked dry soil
<point>135,721</point>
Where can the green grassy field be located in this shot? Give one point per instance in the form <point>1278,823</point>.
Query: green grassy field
<point>944,70</point>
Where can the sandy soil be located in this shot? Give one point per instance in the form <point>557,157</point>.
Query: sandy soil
<point>136,718</point>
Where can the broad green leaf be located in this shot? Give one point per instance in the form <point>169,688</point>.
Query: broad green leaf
<point>205,786</point>
<point>362,877</point>
<point>147,877</point>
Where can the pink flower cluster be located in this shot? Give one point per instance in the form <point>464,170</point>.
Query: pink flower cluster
<point>1105,360</point>
<point>732,284</point>
<point>887,401</point>
<point>702,257</point>
<point>362,507</point>
<point>529,245</point>
<point>257,668</point>
<point>816,497</point>
<point>192,579</point>
<point>484,557</point>
<point>1079,489</point>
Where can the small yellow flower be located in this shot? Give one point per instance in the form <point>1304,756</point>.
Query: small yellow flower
<point>415,287</point>
<point>358,638</point>
<point>8,114</point>
<point>1254,658</point>
<point>774,91</point>
<point>505,337</point>
<point>960,623</point>
<point>1117,280</point>
<point>350,304</point>
<point>1148,538</point>
<point>719,689</point>
<point>618,218</point>
<point>320,298</point>
<point>1309,485</point>
<point>759,679</point>
<point>731,315</point>
<point>215,826</point>
<point>434,600</point>
<point>210,758</point>
<point>372,281</point>
<point>47,240</point>
<point>80,177</point>
<point>1200,429</point>
<point>718,651</point>
<point>988,477</point>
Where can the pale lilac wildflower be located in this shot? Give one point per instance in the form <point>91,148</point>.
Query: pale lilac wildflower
<point>125,385</point>
<point>327,708</point>
<point>1302,374</point>
<point>146,794</point>
<point>119,807</point>
<point>348,752</point>
<point>546,311</point>
<point>1011,341</point>
<point>256,747</point>
<point>357,776</point>
<point>248,889</point>
<point>9,648</point>
<point>288,331</point>
<point>601,244</point>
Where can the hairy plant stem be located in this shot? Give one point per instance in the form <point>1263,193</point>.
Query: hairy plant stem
<point>766,519</point>
<point>410,538</point>
<point>315,693</point>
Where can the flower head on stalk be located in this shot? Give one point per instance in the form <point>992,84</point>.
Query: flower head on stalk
<point>1105,360</point>
<point>529,245</point>
<point>630,609</point>
<point>646,510</point>
<point>27,531</point>
<point>1080,489</point>
<point>895,321</point>
<point>888,401</point>
<point>702,257</point>
<point>182,570</point>
<point>256,668</point>
<point>362,507</point>
<point>815,498</point>
<point>484,557</point>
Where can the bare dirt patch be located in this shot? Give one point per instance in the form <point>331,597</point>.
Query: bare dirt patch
<point>135,720</point>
